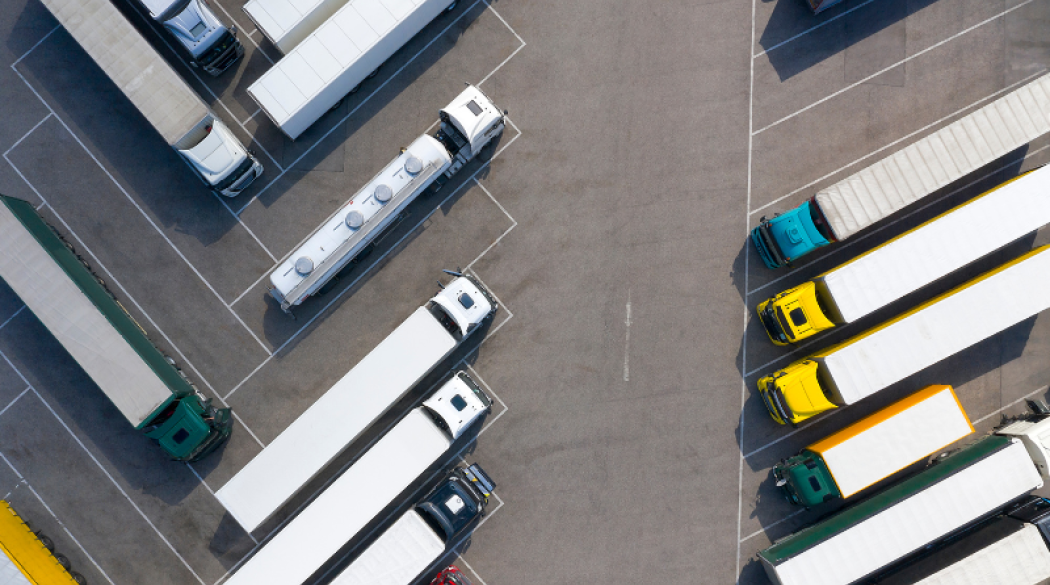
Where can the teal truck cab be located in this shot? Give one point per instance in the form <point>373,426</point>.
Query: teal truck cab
<point>788,236</point>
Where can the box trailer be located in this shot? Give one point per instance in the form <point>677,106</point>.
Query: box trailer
<point>356,401</point>
<point>163,98</point>
<point>965,487</point>
<point>874,447</point>
<point>468,124</point>
<point>907,176</point>
<point>943,326</point>
<point>1010,549</point>
<point>336,58</point>
<point>201,36</point>
<point>28,557</point>
<point>418,442</point>
<point>910,261</point>
<point>420,537</point>
<point>75,306</point>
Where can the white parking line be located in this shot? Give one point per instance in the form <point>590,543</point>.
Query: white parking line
<point>514,224</point>
<point>767,527</point>
<point>33,48</point>
<point>24,136</point>
<point>249,35</point>
<point>901,139</point>
<point>897,64</point>
<point>12,403</point>
<point>852,241</point>
<point>467,565</point>
<point>61,524</point>
<point>101,468</point>
<point>811,29</point>
<point>13,315</point>
<point>140,210</point>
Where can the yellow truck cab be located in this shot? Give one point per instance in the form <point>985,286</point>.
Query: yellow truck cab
<point>793,315</point>
<point>794,394</point>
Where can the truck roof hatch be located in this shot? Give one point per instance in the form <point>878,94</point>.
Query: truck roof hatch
<point>457,403</point>
<point>465,303</point>
<point>473,114</point>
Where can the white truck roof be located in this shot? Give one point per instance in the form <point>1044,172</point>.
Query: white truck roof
<point>940,247</point>
<point>144,77</point>
<point>287,22</point>
<point>895,443</point>
<point>325,429</point>
<point>337,57</point>
<point>886,355</point>
<point>348,505</point>
<point>1019,559</point>
<point>77,324</point>
<point>374,206</point>
<point>397,557</point>
<point>913,522</point>
<point>158,7</point>
<point>474,115</point>
<point>937,160</point>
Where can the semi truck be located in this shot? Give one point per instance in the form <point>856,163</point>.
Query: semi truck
<point>418,442</point>
<point>873,448</point>
<point>965,487</point>
<point>356,401</point>
<point>943,326</point>
<point>203,38</point>
<point>871,194</point>
<point>58,286</point>
<point>181,118</point>
<point>468,124</point>
<point>910,261</point>
<point>29,557</point>
<point>333,60</point>
<point>1010,549</point>
<point>420,537</point>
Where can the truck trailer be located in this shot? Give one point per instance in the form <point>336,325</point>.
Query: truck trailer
<point>333,60</point>
<point>29,558</point>
<point>960,489</point>
<point>468,124</point>
<point>943,326</point>
<point>1010,549</point>
<point>418,442</point>
<point>356,401</point>
<point>420,537</point>
<point>919,170</point>
<point>203,38</point>
<point>910,261</point>
<point>79,311</point>
<point>164,99</point>
<point>874,447</point>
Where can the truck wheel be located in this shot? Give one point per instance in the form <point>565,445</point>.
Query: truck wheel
<point>78,578</point>
<point>340,102</point>
<point>355,90</point>
<point>62,560</point>
<point>374,73</point>
<point>452,6</point>
<point>47,542</point>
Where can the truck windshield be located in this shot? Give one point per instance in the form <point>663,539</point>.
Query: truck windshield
<point>237,173</point>
<point>783,321</point>
<point>219,49</point>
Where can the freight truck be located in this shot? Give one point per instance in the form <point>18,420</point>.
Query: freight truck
<point>203,38</point>
<point>468,124</point>
<point>420,537</point>
<point>79,311</point>
<point>1010,549</point>
<point>862,199</point>
<point>28,557</point>
<point>874,447</point>
<point>418,442</point>
<point>337,57</point>
<point>943,326</point>
<point>164,99</point>
<point>356,401</point>
<point>910,261</point>
<point>857,542</point>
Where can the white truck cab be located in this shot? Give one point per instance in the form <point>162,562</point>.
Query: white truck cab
<point>468,124</point>
<point>210,44</point>
<point>1034,433</point>
<point>219,158</point>
<point>465,306</point>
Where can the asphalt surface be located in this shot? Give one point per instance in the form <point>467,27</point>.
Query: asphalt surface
<point>610,221</point>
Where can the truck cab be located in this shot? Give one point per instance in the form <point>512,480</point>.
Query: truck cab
<point>462,306</point>
<point>805,480</point>
<point>210,44</point>
<point>794,315</point>
<point>457,404</point>
<point>454,506</point>
<point>1034,432</point>
<point>794,393</point>
<point>189,428</point>
<point>468,124</point>
<point>791,235</point>
<point>219,158</point>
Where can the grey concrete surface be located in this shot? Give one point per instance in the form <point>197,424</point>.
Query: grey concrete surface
<point>626,440</point>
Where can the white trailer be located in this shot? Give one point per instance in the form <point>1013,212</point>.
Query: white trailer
<point>861,540</point>
<point>912,260</point>
<point>1018,559</point>
<point>468,124</point>
<point>163,98</point>
<point>356,401</point>
<point>418,442</point>
<point>337,57</point>
<point>207,42</point>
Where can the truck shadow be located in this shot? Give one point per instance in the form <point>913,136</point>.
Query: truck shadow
<point>791,50</point>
